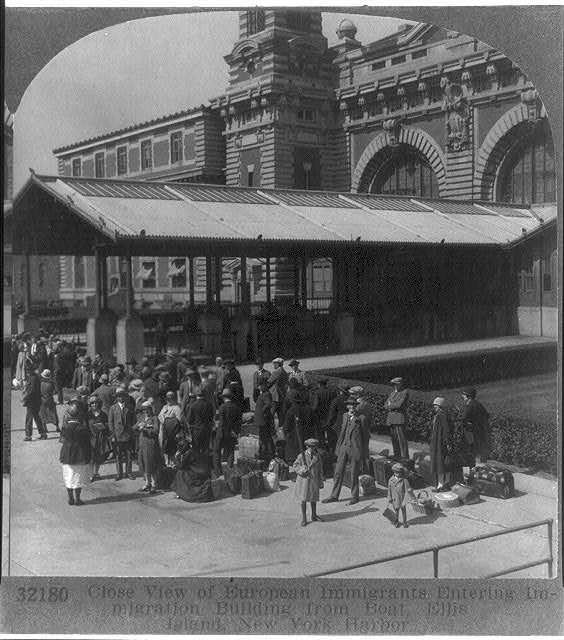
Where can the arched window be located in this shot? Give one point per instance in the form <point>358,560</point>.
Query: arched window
<point>405,172</point>
<point>527,174</point>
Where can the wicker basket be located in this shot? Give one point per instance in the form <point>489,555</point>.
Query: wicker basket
<point>423,503</point>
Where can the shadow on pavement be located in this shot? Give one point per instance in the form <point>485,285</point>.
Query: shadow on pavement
<point>430,519</point>
<point>343,515</point>
<point>123,497</point>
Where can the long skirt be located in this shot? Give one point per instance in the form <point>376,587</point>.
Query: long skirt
<point>149,458</point>
<point>75,475</point>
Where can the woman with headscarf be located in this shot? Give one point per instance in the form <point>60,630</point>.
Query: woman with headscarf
<point>76,451</point>
<point>100,435</point>
<point>48,409</point>
<point>150,459</point>
<point>438,446</point>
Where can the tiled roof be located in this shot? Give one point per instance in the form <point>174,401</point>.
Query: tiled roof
<point>129,128</point>
<point>138,210</point>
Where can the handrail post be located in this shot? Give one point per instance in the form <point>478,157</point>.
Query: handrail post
<point>435,562</point>
<point>549,563</point>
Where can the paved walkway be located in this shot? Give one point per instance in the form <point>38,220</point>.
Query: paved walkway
<point>122,532</point>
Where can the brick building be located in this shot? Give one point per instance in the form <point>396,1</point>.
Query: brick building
<point>423,113</point>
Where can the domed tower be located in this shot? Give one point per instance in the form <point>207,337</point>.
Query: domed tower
<point>277,107</point>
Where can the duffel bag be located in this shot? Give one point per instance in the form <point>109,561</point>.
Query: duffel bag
<point>465,494</point>
<point>270,481</point>
<point>165,476</point>
<point>251,485</point>
<point>367,486</point>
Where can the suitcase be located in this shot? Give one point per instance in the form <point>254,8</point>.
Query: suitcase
<point>251,485</point>
<point>382,470</point>
<point>492,481</point>
<point>249,446</point>
<point>246,465</point>
<point>232,477</point>
<point>465,494</point>
<point>367,486</point>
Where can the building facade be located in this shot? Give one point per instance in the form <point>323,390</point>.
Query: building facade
<point>424,112</point>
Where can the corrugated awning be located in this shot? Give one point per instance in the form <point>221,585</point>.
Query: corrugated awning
<point>137,211</point>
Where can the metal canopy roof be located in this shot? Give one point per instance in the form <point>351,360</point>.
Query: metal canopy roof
<point>134,212</point>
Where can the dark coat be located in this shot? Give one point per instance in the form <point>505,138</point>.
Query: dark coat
<point>337,410</point>
<point>263,413</point>
<point>438,445</point>
<point>278,383</point>
<point>321,404</point>
<point>230,419</point>
<point>48,410</point>
<point>106,396</point>
<point>99,436</point>
<point>263,374</point>
<point>121,423</point>
<point>475,420</point>
<point>75,436</point>
<point>299,416</point>
<point>396,404</point>
<point>31,394</point>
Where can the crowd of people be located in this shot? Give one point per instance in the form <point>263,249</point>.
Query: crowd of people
<point>152,412</point>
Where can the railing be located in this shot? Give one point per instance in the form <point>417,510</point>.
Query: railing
<point>548,560</point>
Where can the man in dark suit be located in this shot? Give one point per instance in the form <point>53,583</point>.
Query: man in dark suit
<point>228,428</point>
<point>232,380</point>
<point>105,393</point>
<point>365,412</point>
<point>332,425</point>
<point>31,400</point>
<point>475,421</point>
<point>260,373</point>
<point>277,384</point>
<point>200,420</point>
<point>396,404</point>
<point>121,420</point>
<point>349,450</point>
<point>264,421</point>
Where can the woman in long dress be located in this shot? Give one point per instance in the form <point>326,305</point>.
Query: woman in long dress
<point>48,409</point>
<point>439,438</point>
<point>150,459</point>
<point>76,451</point>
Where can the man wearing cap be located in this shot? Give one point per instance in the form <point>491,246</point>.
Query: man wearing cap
<point>84,375</point>
<point>200,421</point>
<point>475,420</point>
<point>228,428</point>
<point>349,451</point>
<point>365,412</point>
<point>105,393</point>
<point>259,374</point>
<point>396,404</point>
<point>439,441</point>
<point>297,373</point>
<point>332,425</point>
<point>121,419</point>
<point>277,384</point>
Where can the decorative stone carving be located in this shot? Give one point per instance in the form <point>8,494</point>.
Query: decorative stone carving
<point>530,99</point>
<point>457,116</point>
<point>392,127</point>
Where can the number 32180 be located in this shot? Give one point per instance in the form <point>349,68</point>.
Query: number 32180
<point>42,594</point>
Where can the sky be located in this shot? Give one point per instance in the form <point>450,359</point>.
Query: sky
<point>133,72</point>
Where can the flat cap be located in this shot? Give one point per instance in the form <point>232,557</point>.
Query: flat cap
<point>311,442</point>
<point>396,381</point>
<point>356,391</point>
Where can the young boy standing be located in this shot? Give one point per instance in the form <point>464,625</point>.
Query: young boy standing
<point>309,480</point>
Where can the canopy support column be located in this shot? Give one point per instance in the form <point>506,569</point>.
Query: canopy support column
<point>130,338</point>
<point>100,329</point>
<point>268,283</point>
<point>303,281</point>
<point>209,289</point>
<point>191,280</point>
<point>26,321</point>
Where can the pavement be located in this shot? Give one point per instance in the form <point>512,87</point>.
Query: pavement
<point>122,532</point>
